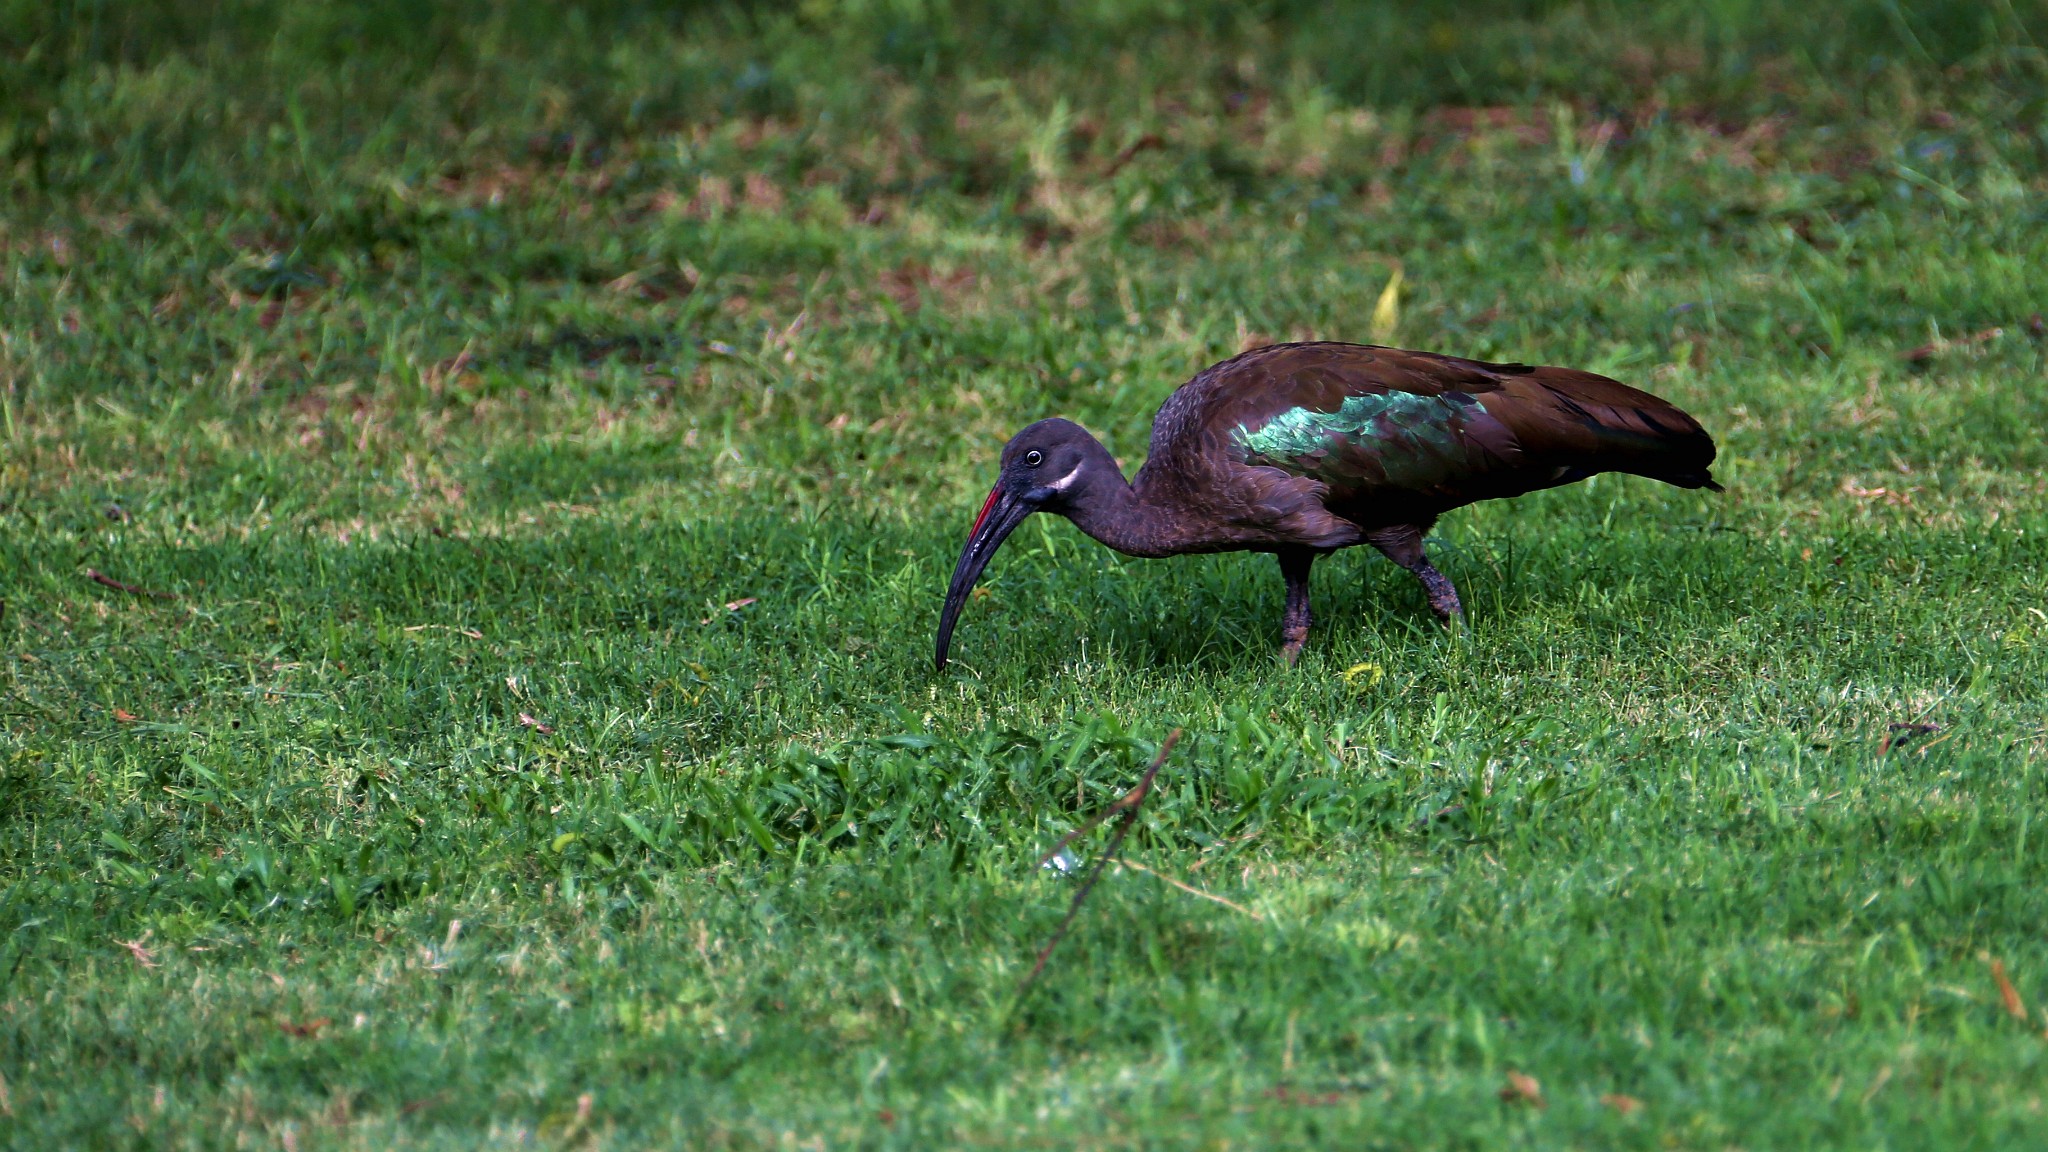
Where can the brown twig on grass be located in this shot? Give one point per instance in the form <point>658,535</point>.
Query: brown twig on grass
<point>472,633</point>
<point>1927,352</point>
<point>1148,141</point>
<point>101,578</point>
<point>1131,799</point>
<point>1128,805</point>
<point>1190,889</point>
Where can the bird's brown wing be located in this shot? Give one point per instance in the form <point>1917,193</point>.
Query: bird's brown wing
<point>1382,436</point>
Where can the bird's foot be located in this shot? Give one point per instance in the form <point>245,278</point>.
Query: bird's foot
<point>1291,645</point>
<point>1443,600</point>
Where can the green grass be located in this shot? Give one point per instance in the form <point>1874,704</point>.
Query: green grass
<point>448,379</point>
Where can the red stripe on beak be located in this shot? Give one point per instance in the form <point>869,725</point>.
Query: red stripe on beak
<point>986,505</point>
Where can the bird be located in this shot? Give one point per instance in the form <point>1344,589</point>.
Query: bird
<point>1302,449</point>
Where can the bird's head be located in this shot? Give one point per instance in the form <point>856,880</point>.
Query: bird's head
<point>1050,466</point>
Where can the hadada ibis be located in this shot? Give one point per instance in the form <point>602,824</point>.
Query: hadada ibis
<point>1302,449</point>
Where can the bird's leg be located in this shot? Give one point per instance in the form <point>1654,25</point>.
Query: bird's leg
<point>1403,545</point>
<point>1295,619</point>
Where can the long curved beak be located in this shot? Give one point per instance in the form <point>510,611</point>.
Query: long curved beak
<point>999,517</point>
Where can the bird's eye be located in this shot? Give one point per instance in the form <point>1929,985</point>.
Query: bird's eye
<point>1034,458</point>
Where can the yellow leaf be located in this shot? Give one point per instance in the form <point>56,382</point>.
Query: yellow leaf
<point>1386,315</point>
<point>1369,673</point>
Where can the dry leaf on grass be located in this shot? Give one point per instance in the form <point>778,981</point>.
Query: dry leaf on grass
<point>1852,486</point>
<point>2007,994</point>
<point>1523,1088</point>
<point>1620,1103</point>
<point>1896,735</point>
<point>310,1028</point>
<point>528,721</point>
<point>731,606</point>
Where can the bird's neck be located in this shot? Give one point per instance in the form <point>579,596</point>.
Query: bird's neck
<point>1120,516</point>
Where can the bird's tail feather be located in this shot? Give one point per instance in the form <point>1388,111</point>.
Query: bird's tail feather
<point>1700,479</point>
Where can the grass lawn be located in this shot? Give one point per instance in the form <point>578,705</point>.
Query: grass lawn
<point>476,491</point>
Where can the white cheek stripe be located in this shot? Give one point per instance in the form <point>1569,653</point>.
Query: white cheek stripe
<point>1060,485</point>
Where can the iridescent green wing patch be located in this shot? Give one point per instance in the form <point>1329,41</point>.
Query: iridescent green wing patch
<point>1393,439</point>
